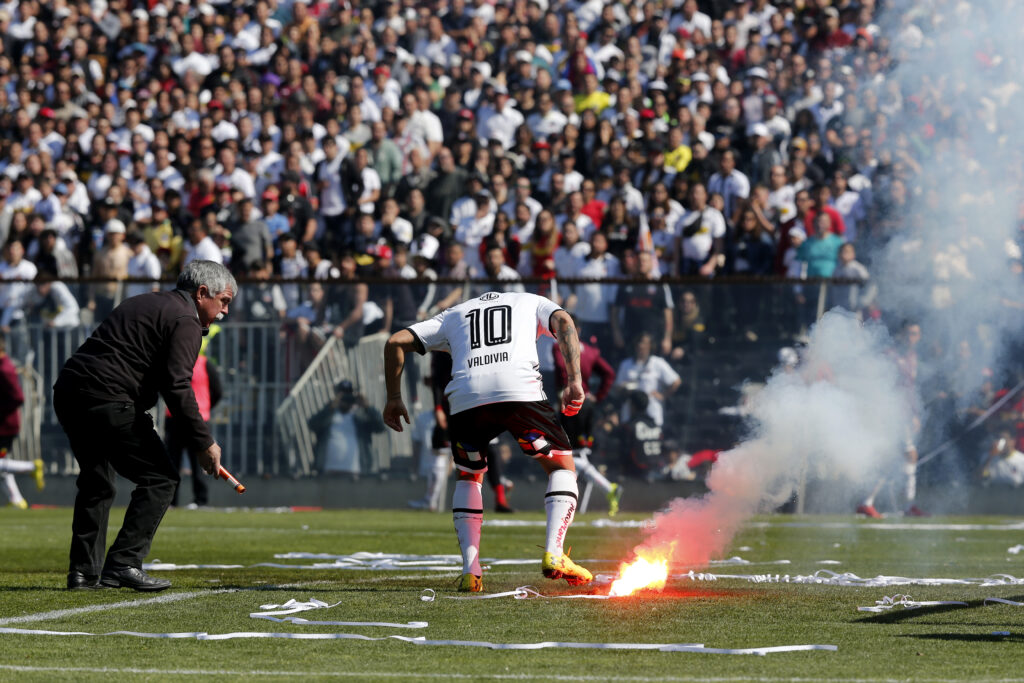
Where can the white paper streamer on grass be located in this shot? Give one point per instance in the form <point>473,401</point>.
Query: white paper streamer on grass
<point>907,602</point>
<point>1004,601</point>
<point>675,647</point>
<point>1015,549</point>
<point>276,613</point>
<point>521,593</point>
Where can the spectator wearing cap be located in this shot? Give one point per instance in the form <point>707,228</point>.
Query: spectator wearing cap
<point>764,157</point>
<point>343,429</point>
<point>143,265</point>
<point>111,263</point>
<point>385,91</point>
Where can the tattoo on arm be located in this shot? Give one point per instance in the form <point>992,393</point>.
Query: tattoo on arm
<point>569,345</point>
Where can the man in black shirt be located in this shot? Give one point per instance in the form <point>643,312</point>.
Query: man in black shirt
<point>146,346</point>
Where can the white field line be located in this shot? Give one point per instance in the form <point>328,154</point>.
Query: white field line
<point>371,675</point>
<point>163,599</point>
<point>74,611</point>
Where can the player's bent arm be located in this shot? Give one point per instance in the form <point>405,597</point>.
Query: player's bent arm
<point>397,346</point>
<point>569,344</point>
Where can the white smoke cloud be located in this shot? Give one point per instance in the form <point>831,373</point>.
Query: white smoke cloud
<point>842,415</point>
<point>953,145</point>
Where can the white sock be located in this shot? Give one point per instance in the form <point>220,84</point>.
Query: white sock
<point>468,515</point>
<point>439,480</point>
<point>16,466</point>
<point>560,504</point>
<point>586,469</point>
<point>10,487</point>
<point>910,469</point>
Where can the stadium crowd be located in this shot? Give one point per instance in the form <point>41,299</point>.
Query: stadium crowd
<point>340,141</point>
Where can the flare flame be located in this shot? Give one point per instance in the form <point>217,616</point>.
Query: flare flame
<point>643,573</point>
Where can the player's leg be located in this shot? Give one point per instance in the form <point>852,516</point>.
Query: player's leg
<point>867,506</point>
<point>494,479</point>
<point>580,430</point>
<point>470,431</point>
<point>910,481</point>
<point>13,493</point>
<point>535,426</point>
<point>10,467</point>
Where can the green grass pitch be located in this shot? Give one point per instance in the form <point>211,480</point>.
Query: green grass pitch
<point>925,644</point>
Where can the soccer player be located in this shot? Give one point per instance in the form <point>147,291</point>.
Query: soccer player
<point>496,387</point>
<point>11,399</point>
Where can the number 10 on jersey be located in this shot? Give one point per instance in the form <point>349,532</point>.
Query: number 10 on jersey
<point>497,326</point>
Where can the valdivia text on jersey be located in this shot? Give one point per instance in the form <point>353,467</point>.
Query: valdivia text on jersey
<point>488,358</point>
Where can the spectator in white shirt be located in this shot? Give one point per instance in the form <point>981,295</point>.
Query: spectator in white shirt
<point>730,183</point>
<point>650,374</point>
<point>200,246</point>
<point>143,264</point>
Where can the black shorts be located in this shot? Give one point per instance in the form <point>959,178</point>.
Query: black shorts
<point>534,425</point>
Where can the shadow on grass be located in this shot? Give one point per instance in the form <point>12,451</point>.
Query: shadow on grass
<point>900,614</point>
<point>969,637</point>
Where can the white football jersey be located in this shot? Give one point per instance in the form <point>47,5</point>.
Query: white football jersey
<point>493,343</point>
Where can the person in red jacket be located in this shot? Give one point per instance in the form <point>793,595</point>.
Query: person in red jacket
<point>11,399</point>
<point>580,427</point>
<point>207,387</point>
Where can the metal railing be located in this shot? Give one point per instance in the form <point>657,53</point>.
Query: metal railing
<point>362,365</point>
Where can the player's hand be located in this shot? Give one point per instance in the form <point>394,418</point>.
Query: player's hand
<point>572,399</point>
<point>209,459</point>
<point>441,418</point>
<point>394,411</point>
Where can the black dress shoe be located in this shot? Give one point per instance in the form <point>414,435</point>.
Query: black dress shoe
<point>131,577</point>
<point>77,581</point>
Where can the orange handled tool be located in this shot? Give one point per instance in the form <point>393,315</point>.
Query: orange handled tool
<point>229,478</point>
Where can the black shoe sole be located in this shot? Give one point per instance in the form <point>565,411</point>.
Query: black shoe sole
<point>91,587</point>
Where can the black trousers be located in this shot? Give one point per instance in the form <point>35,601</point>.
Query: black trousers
<point>108,438</point>
<point>175,445</point>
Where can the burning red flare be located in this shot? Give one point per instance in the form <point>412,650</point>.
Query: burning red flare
<point>643,573</point>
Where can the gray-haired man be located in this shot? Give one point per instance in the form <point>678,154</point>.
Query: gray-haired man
<point>146,347</point>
